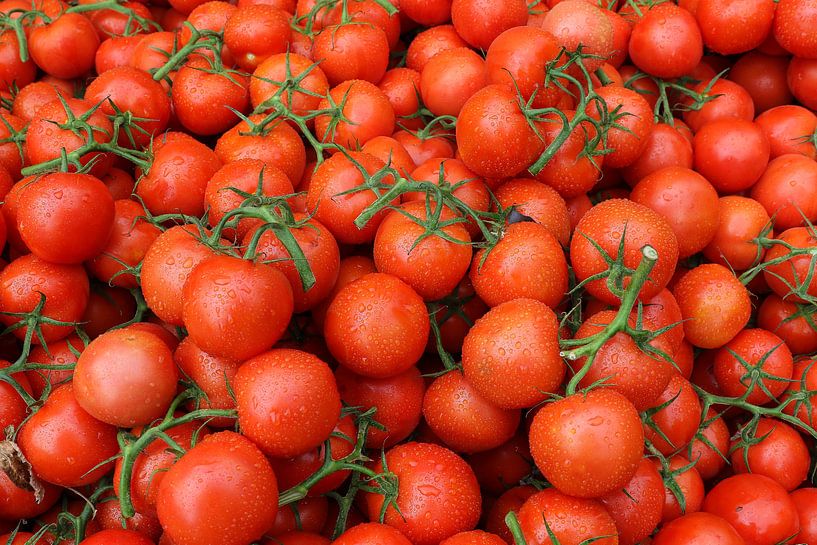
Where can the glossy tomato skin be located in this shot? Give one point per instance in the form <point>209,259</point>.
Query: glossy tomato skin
<point>65,48</point>
<point>678,420</point>
<point>438,494</point>
<point>366,114</point>
<point>371,533</point>
<point>740,221</point>
<point>731,153</point>
<point>759,509</point>
<point>734,26</point>
<point>714,304</point>
<point>528,262</point>
<point>222,491</point>
<point>698,529</point>
<point>780,454</point>
<point>236,308</point>
<point>789,322</point>
<point>274,390</point>
<point>117,536</point>
<point>576,23</point>
<point>783,126</point>
<point>465,421</point>
<point>637,508</point>
<point>666,42</point>
<point>607,224</point>
<point>792,23</point>
<point>805,500</point>
<point>538,201</point>
<point>572,520</point>
<point>788,190</point>
<point>792,272</point>
<point>450,78</point>
<point>64,444</point>
<point>388,337</point>
<point>754,348</point>
<point>690,485</point>
<point>509,376</point>
<point>579,428</point>
<point>26,279</point>
<point>126,378</point>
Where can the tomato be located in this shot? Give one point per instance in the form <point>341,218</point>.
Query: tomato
<point>764,78</point>
<point>27,279</point>
<point>780,453</point>
<point>634,122</point>
<point>222,491</point>
<point>197,87</point>
<point>116,536</point>
<point>785,127</point>
<point>308,515</point>
<point>151,465</point>
<point>690,485</point>
<point>502,467</point>
<point>64,444</point>
<point>235,308</point>
<point>579,429</point>
<point>166,268</point>
<point>132,90</point>
<point>369,12</point>
<point>62,352</point>
<point>666,42</point>
<point>802,78</point>
<point>421,150</point>
<point>256,32</point>
<point>125,378</point>
<point>177,178</point>
<point>45,142</point>
<point>538,201</point>
<point>519,57</point>
<point>676,422</point>
<point>365,113</point>
<point>479,22</point>
<point>637,508</point>
<point>387,336</point>
<point>110,23</point>
<point>291,471</point>
<point>270,390</point>
<point>805,500</point>
<point>351,268</point>
<point>242,175</point>
<point>664,146</point>
<point>507,272</point>
<point>438,495</point>
<point>576,23</point>
<point>756,506</point>
<point>789,322</point>
<point>698,529</point>
<point>793,272</point>
<point>32,97</point>
<point>398,401</point>
<point>740,221</point>
<point>212,374</point>
<point>65,47</point>
<point>688,202</point>
<point>606,224</point>
<point>465,421</point>
<point>792,23</point>
<point>352,52</point>
<point>402,87</point>
<point>16,503</point>
<point>572,520</point>
<point>709,461</point>
<point>491,149</point>
<point>297,538</point>
<point>714,304</point>
<point>474,537</point>
<point>271,74</point>
<point>10,157</point>
<point>788,190</point>
<point>371,533</point>
<point>431,41</point>
<point>731,153</point>
<point>512,500</point>
<point>450,78</point>
<point>637,375</point>
<point>14,70</point>
<point>337,212</point>
<point>508,375</point>
<point>734,26</point>
<point>153,50</point>
<point>432,265</point>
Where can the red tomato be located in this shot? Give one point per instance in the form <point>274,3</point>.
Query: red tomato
<point>272,392</point>
<point>805,501</point>
<point>698,529</point>
<point>666,42</point>
<point>637,508</point>
<point>788,190</point>
<point>780,453</point>
<point>450,78</point>
<point>365,114</point>
<point>734,26</point>
<point>222,491</point>
<point>690,485</point>
<point>676,420</point>
<point>577,23</point>
<point>764,78</point>
<point>479,22</point>
<point>740,221</point>
<point>572,520</point>
<point>793,22</point>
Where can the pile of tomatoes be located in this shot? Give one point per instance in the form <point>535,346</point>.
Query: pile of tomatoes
<point>415,272</point>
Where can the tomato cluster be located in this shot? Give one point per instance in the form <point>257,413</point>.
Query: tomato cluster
<point>415,272</point>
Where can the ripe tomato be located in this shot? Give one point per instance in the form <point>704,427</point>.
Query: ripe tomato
<point>580,429</point>
<point>731,153</point>
<point>65,47</point>
<point>64,444</point>
<point>450,78</point>
<point>398,400</point>
<point>780,454</point>
<point>789,322</point>
<point>117,536</point>
<point>235,308</point>
<point>270,75</point>
<point>714,304</point>
<point>793,272</point>
<point>576,23</point>
<point>222,491</point>
<point>764,78</point>
<point>352,52</point>
<point>572,520</point>
<point>126,378</point>
<point>666,42</point>
<point>505,371</point>
<point>479,22</point>
<point>500,468</point>
<point>805,500</point>
<point>698,529</point>
<point>792,23</point>
<point>788,190</point>
<point>438,495</point>
<point>384,338</point>
<point>637,508</point>
<point>734,26</point>
<point>676,422</point>
<point>273,391</point>
<point>740,221</point>
<point>371,533</point>
<point>492,149</point>
<point>709,461</point>
<point>27,279</point>
<point>527,262</point>
<point>539,202</point>
<point>365,113</point>
<point>690,485</point>
<point>607,224</point>
<point>664,146</point>
<point>255,32</point>
<point>785,126</point>
<point>14,71</point>
<point>756,506</point>
<point>633,120</point>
